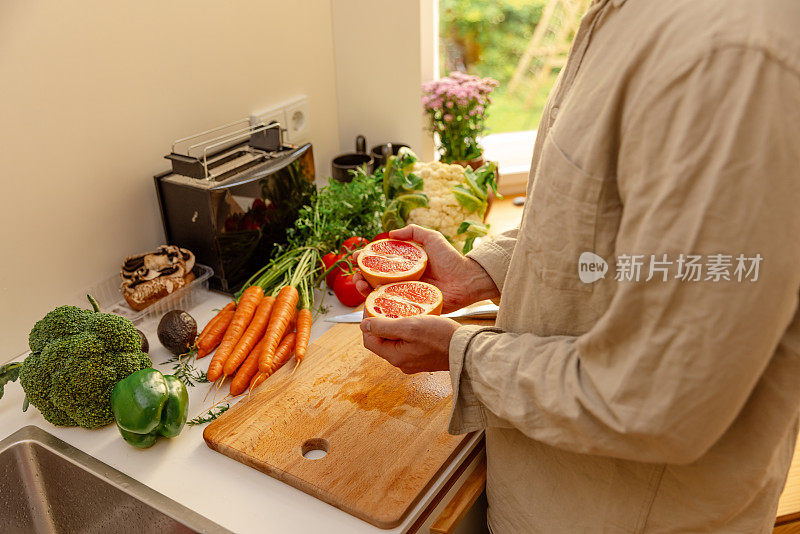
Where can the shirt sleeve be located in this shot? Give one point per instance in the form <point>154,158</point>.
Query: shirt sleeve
<point>494,255</point>
<point>708,164</point>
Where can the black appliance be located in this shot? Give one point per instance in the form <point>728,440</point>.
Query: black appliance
<point>231,195</point>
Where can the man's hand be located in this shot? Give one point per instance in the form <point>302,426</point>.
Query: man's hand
<point>461,280</point>
<point>413,344</point>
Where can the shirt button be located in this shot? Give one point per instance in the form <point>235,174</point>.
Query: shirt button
<point>554,112</point>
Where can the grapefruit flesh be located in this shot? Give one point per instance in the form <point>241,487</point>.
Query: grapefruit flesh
<point>420,292</point>
<point>397,247</point>
<point>404,299</point>
<point>392,260</point>
<point>383,264</point>
<point>395,308</point>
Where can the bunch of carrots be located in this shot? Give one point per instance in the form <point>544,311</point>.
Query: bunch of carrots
<point>257,336</point>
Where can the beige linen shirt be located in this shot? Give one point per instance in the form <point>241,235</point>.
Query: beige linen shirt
<point>649,406</point>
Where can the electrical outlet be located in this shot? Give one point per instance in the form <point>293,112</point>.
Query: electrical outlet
<point>293,117</point>
<point>298,122</point>
<point>268,115</point>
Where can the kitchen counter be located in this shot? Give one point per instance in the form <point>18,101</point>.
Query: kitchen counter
<point>186,470</point>
<point>239,497</point>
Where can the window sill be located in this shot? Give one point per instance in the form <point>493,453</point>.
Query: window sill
<point>513,152</point>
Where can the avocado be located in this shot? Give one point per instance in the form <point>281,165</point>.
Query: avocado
<point>145,343</point>
<point>177,331</point>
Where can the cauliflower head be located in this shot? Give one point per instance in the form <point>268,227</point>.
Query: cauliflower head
<point>445,197</point>
<point>443,213</point>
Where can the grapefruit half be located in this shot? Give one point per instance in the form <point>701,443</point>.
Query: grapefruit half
<point>392,260</point>
<point>404,299</point>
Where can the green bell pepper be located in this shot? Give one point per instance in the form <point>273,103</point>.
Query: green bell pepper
<point>148,404</point>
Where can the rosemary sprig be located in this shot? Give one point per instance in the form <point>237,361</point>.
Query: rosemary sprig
<point>209,415</point>
<point>184,370</point>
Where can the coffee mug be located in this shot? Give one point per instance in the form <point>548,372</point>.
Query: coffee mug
<point>380,153</point>
<point>343,164</point>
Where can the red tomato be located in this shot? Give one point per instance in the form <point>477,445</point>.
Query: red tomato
<point>327,260</point>
<point>382,235</point>
<point>353,243</point>
<point>346,291</point>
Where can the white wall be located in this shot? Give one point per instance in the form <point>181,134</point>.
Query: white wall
<point>384,50</point>
<point>92,94</point>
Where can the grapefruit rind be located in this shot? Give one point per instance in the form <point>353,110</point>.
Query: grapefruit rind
<point>392,260</point>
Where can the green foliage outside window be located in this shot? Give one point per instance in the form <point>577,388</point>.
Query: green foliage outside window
<point>487,39</point>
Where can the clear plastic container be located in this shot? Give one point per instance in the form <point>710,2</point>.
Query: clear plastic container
<point>109,297</point>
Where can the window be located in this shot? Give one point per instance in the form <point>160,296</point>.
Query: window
<point>521,43</point>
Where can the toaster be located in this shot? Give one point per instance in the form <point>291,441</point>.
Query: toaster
<point>231,194</point>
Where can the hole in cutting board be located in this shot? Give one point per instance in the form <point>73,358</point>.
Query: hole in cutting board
<point>315,448</point>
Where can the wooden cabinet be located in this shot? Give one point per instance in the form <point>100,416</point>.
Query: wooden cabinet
<point>788,520</point>
<point>460,507</point>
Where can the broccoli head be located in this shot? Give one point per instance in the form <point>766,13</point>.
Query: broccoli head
<point>60,322</point>
<point>81,358</point>
<point>116,333</point>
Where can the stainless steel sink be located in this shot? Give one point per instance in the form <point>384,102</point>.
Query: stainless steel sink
<point>49,486</point>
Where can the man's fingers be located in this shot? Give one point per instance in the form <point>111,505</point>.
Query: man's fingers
<point>412,232</point>
<point>405,233</point>
<point>432,281</point>
<point>388,328</point>
<point>362,285</point>
<point>385,348</point>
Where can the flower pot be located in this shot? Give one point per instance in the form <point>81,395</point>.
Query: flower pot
<point>475,164</point>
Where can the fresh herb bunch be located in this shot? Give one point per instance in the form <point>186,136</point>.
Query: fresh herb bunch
<point>338,211</point>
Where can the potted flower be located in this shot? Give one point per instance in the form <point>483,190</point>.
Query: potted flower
<point>456,106</point>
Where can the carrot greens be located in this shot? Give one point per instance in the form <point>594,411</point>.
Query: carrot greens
<point>336,212</point>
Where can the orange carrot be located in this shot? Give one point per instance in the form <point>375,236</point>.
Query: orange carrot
<point>282,355</point>
<point>257,379</point>
<point>304,320</point>
<point>211,324</point>
<point>285,305</point>
<point>248,303</point>
<point>213,337</point>
<point>228,307</point>
<point>255,331</point>
<point>248,369</point>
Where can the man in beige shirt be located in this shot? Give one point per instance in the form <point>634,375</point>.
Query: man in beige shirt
<point>664,396</point>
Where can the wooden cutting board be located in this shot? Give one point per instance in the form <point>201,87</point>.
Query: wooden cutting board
<point>384,432</point>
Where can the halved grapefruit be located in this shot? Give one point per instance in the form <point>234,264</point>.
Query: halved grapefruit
<point>392,260</point>
<point>404,299</point>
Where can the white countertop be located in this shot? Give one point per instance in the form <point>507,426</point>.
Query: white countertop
<point>184,469</point>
